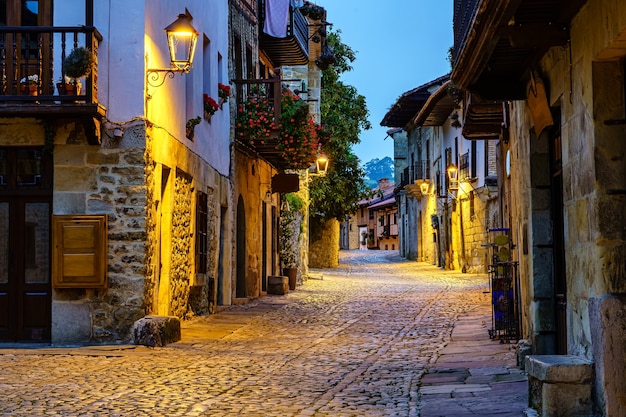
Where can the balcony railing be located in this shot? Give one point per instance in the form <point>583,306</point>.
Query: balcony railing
<point>418,171</point>
<point>464,11</point>
<point>38,52</point>
<point>464,166</point>
<point>252,93</point>
<point>293,49</point>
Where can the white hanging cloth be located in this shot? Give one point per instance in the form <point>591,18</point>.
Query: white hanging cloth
<point>276,18</point>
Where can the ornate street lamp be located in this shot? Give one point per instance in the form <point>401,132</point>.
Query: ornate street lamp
<point>181,41</point>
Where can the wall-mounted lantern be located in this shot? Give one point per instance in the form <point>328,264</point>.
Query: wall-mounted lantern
<point>453,177</point>
<point>322,164</point>
<point>181,41</point>
<point>424,185</point>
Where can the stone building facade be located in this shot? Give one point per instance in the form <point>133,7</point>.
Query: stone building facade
<point>442,222</point>
<point>561,156</point>
<point>130,205</point>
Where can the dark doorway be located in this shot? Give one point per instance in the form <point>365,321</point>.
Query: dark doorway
<point>558,236</point>
<point>264,251</point>
<point>25,263</point>
<point>241,249</point>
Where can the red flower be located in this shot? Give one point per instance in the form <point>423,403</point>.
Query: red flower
<point>210,105</point>
<point>223,91</point>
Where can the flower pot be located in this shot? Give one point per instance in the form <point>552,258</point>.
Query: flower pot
<point>207,116</point>
<point>292,274</point>
<point>68,89</point>
<point>28,89</point>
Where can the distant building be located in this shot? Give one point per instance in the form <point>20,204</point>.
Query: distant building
<point>376,220</point>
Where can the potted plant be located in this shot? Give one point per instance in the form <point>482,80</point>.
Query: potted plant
<point>290,219</point>
<point>312,11</point>
<point>210,107</point>
<point>30,84</point>
<point>190,127</point>
<point>223,91</point>
<point>77,64</point>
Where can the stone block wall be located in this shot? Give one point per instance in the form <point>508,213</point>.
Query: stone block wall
<point>324,247</point>
<point>182,245</point>
<point>107,179</point>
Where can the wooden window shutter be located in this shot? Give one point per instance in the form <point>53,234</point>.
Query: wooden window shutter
<point>79,251</point>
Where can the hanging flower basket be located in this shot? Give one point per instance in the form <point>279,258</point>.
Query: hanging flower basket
<point>223,92</point>
<point>210,107</point>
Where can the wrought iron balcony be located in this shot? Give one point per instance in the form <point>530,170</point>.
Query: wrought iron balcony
<point>418,171</point>
<point>290,50</point>
<point>38,53</point>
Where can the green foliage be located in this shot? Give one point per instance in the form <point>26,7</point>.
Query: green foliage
<point>344,113</point>
<point>295,202</point>
<point>290,229</point>
<point>78,63</point>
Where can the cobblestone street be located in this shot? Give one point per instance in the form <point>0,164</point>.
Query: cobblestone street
<point>358,342</point>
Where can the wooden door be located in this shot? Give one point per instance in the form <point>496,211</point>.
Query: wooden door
<point>25,262</point>
<point>558,239</point>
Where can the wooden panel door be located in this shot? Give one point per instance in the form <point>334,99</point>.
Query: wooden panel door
<point>25,212</point>
<point>25,294</point>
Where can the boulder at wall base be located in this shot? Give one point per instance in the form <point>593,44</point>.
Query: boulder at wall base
<point>155,331</point>
<point>277,285</point>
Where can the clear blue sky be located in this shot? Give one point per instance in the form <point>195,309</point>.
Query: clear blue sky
<point>399,45</point>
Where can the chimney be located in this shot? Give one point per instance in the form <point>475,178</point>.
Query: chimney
<point>383,183</point>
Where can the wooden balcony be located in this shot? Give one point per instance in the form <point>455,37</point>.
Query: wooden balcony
<point>265,95</point>
<point>497,41</point>
<point>290,50</point>
<point>39,53</point>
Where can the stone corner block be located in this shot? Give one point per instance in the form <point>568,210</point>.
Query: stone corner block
<point>155,331</point>
<point>559,368</point>
<point>277,285</point>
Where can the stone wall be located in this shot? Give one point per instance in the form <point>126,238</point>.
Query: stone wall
<point>324,245</point>
<point>585,82</point>
<point>182,245</point>
<point>107,179</point>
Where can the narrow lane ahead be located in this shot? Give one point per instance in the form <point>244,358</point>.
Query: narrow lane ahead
<point>356,343</point>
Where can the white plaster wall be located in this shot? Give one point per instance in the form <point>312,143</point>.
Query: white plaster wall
<point>182,95</point>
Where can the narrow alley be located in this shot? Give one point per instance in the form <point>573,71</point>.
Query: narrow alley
<point>378,336</point>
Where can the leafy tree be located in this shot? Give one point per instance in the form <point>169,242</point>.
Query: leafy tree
<point>344,113</point>
<point>377,169</point>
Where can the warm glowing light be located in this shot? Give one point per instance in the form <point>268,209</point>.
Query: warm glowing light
<point>181,40</point>
<point>453,172</point>
<point>322,164</point>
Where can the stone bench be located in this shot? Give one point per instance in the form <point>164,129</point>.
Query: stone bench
<point>156,330</point>
<point>277,285</point>
<point>559,385</point>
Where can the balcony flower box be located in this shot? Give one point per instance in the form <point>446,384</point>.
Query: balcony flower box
<point>293,136</point>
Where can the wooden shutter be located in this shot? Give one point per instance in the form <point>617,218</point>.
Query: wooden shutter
<point>79,252</point>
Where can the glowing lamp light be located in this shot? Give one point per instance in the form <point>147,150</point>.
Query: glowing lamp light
<point>181,40</point>
<point>322,164</point>
<point>453,173</point>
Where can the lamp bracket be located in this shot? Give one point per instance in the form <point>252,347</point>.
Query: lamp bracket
<point>153,75</point>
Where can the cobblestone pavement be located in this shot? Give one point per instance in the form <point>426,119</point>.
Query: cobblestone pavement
<point>356,343</point>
